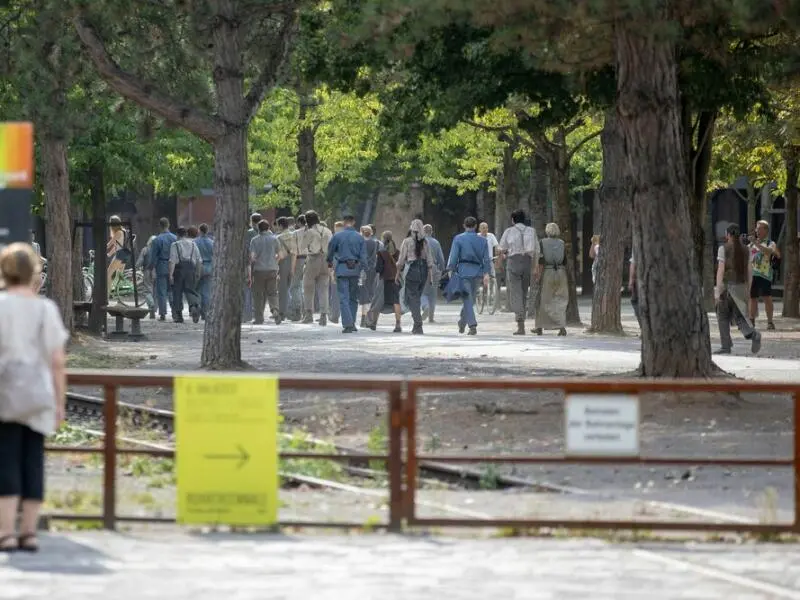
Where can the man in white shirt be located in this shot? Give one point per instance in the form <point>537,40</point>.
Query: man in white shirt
<point>483,231</point>
<point>520,246</point>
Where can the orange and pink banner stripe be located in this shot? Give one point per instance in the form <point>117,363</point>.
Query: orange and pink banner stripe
<point>16,155</point>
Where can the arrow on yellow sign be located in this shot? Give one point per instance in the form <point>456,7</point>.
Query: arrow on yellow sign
<point>242,457</point>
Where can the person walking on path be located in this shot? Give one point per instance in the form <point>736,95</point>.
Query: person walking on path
<point>348,251</point>
<point>185,267</point>
<point>521,248</point>
<point>552,313</point>
<point>148,276</point>
<point>263,275</point>
<point>287,255</point>
<point>431,291</point>
<point>730,292</point>
<point>387,293</point>
<point>316,279</point>
<point>334,311</point>
<point>417,264</point>
<point>762,251</point>
<point>470,261</point>
<point>206,247</point>
<point>296,288</point>
<point>158,260</point>
<point>369,277</point>
<point>247,307</point>
<point>33,385</point>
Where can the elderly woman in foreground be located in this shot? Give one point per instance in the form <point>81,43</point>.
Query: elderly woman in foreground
<point>552,270</point>
<point>32,393</point>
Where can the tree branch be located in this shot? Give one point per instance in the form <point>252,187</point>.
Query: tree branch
<point>277,56</point>
<point>143,93</point>
<point>503,132</point>
<point>574,127</point>
<point>582,143</point>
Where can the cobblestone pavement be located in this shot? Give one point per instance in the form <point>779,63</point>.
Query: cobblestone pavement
<point>181,566</point>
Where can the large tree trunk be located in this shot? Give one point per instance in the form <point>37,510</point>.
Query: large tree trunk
<point>97,192</point>
<point>541,195</point>
<point>791,282</point>
<point>615,216</point>
<point>562,215</point>
<point>675,330</point>
<point>306,156</point>
<point>222,339</point>
<point>55,180</point>
<point>699,166</point>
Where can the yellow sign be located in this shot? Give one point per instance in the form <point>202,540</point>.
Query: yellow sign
<point>226,431</point>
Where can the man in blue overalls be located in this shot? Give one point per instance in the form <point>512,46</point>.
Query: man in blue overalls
<point>469,259</point>
<point>206,246</point>
<point>158,259</point>
<point>348,250</point>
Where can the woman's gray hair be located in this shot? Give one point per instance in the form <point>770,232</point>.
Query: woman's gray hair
<point>552,230</point>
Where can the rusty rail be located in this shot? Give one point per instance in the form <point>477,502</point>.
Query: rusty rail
<point>403,460</point>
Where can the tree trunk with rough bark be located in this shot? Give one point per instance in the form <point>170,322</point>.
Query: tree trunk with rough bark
<point>791,283</point>
<point>562,216</point>
<point>541,195</point>
<point>699,165</point>
<point>55,180</point>
<point>222,340</point>
<point>76,249</point>
<point>97,318</point>
<point>615,217</point>
<point>306,157</point>
<point>675,329</point>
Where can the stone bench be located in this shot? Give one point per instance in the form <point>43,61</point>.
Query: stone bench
<point>134,315</point>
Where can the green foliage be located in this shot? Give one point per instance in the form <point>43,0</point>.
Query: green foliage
<point>301,441</point>
<point>346,141</point>
<point>378,443</point>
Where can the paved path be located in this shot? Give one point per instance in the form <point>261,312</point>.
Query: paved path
<point>177,566</point>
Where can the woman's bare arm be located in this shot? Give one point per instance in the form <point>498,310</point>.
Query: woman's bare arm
<point>58,364</point>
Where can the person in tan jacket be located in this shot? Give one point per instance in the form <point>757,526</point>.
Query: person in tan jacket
<point>316,278</point>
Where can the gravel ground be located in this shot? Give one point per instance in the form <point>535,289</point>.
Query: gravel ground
<point>511,422</point>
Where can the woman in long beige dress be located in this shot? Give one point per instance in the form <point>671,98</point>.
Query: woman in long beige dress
<point>552,271</point>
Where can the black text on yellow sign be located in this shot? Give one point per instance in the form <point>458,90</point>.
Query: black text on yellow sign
<point>227,452</point>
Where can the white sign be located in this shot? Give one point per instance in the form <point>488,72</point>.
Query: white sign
<point>602,424</point>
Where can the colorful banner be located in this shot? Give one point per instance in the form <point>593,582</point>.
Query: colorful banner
<point>16,156</point>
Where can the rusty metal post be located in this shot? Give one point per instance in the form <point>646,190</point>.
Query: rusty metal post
<point>796,468</point>
<point>110,458</point>
<point>395,459</point>
<point>411,452</point>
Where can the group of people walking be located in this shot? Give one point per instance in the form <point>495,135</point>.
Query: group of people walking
<point>303,269</point>
<point>177,267</point>
<point>298,268</point>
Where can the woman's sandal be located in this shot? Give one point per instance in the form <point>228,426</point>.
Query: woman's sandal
<point>4,547</point>
<point>28,543</point>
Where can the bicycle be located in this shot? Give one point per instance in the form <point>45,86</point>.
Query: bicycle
<point>122,288</point>
<point>488,295</point>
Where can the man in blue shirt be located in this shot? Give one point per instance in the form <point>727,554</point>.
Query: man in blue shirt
<point>348,251</point>
<point>158,259</point>
<point>431,288</point>
<point>469,259</point>
<point>206,246</point>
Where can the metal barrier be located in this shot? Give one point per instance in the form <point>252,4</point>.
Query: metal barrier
<point>111,383</point>
<point>403,460</point>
